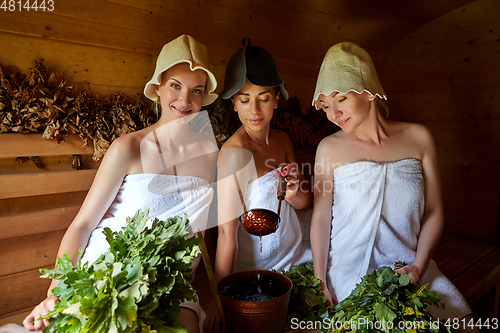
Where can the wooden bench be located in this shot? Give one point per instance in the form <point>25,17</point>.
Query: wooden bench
<point>474,268</point>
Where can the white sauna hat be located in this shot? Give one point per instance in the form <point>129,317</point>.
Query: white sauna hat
<point>347,67</point>
<point>183,49</point>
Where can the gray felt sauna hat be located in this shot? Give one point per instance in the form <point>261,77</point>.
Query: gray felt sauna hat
<point>252,63</point>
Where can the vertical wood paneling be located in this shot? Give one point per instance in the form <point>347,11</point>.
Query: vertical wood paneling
<point>446,75</point>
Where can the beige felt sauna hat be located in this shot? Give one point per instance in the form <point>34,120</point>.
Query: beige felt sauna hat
<point>347,67</point>
<point>183,49</point>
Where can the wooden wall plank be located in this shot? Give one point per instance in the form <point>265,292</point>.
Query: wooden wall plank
<point>15,317</point>
<point>77,62</point>
<point>446,75</point>
<point>37,222</point>
<point>233,21</point>
<point>17,144</point>
<point>23,205</point>
<point>473,62</point>
<point>182,18</point>
<point>474,225</point>
<point>438,82</point>
<point>292,14</point>
<point>477,132</point>
<point>29,252</point>
<point>470,155</point>
<point>49,164</point>
<point>22,290</point>
<point>477,178</point>
<point>445,240</point>
<point>450,31</point>
<point>445,102</point>
<point>54,26</point>
<point>459,198</point>
<point>46,183</point>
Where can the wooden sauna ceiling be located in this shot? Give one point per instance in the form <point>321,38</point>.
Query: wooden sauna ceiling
<point>117,33</point>
<point>377,25</point>
<point>287,25</point>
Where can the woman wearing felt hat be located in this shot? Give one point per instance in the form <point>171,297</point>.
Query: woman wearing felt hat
<point>378,198</point>
<point>255,153</point>
<point>156,167</point>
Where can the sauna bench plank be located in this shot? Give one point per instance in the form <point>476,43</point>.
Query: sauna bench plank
<point>474,268</point>
<point>14,145</point>
<point>23,185</point>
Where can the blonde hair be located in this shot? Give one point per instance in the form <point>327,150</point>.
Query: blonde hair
<point>382,107</point>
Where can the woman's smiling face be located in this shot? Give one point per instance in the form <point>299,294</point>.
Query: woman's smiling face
<point>182,91</point>
<point>255,105</point>
<point>348,110</point>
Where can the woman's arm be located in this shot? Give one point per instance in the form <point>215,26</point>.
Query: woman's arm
<point>235,169</point>
<point>100,196</point>
<point>227,249</point>
<point>107,182</point>
<point>432,223</point>
<point>322,216</point>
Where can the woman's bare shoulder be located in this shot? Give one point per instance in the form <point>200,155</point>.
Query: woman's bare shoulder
<point>408,128</point>
<point>414,132</point>
<point>124,145</point>
<point>124,153</point>
<point>331,148</point>
<point>237,140</point>
<point>333,140</point>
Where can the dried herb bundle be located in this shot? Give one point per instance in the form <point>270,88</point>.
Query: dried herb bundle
<point>46,103</point>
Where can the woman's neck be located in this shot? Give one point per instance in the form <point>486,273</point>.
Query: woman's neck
<point>373,129</point>
<point>260,137</point>
<point>170,132</point>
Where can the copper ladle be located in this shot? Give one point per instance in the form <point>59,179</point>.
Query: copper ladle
<point>261,222</point>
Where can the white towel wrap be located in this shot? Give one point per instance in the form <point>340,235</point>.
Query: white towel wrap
<point>165,196</point>
<point>283,248</point>
<point>376,211</point>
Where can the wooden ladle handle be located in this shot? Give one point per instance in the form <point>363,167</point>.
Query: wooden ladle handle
<point>281,187</point>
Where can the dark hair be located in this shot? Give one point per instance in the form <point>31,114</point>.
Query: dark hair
<point>225,120</point>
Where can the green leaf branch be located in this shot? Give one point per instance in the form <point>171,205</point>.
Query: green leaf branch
<point>136,286</point>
